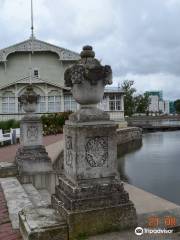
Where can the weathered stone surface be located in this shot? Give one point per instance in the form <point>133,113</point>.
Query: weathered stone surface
<point>35,196</point>
<point>129,134</point>
<point>8,169</point>
<point>90,194</point>
<point>33,162</point>
<point>16,198</point>
<point>42,224</point>
<point>32,159</point>
<point>34,166</point>
<point>97,220</point>
<point>87,114</point>
<point>31,131</point>
<point>90,151</point>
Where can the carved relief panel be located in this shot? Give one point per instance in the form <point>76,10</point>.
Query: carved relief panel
<point>68,149</point>
<point>96,151</point>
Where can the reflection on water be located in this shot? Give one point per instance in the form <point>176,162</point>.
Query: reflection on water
<point>155,167</point>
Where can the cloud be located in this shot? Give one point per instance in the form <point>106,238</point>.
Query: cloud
<point>139,39</point>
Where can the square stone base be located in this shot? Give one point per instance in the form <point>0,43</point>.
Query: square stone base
<point>99,220</point>
<point>35,167</point>
<point>40,180</point>
<point>42,224</point>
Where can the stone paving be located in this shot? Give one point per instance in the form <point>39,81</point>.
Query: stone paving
<point>8,152</point>
<point>6,231</point>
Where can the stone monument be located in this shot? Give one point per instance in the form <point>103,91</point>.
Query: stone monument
<point>34,165</point>
<point>90,194</point>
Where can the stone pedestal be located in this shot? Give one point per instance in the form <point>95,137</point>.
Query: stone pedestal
<point>90,194</point>
<point>34,164</point>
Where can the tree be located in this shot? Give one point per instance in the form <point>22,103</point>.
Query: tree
<point>177,105</point>
<point>142,103</point>
<point>134,104</point>
<point>129,103</point>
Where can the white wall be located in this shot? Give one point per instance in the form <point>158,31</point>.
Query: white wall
<point>154,104</point>
<point>50,68</point>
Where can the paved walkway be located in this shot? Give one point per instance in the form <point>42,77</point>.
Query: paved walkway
<point>6,231</point>
<point>7,153</point>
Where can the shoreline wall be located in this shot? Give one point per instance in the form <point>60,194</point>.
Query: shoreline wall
<point>129,134</point>
<point>128,139</point>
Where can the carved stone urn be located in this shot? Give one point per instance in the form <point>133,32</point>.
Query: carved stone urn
<point>29,100</point>
<point>87,79</point>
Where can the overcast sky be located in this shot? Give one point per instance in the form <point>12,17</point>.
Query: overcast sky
<point>140,39</point>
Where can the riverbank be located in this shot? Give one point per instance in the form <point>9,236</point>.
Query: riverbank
<point>128,139</point>
<point>154,166</point>
<point>155,123</point>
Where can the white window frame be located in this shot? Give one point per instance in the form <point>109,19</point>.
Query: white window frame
<point>69,103</point>
<point>116,102</point>
<point>54,102</point>
<point>8,103</point>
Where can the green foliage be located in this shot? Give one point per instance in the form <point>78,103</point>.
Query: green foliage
<point>11,123</point>
<point>132,103</point>
<point>82,236</point>
<point>142,103</point>
<point>129,91</point>
<point>177,105</point>
<point>53,123</point>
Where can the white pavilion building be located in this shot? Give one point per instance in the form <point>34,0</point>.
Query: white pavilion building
<point>44,64</point>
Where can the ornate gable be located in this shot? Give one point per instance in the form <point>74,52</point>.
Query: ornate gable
<point>34,80</point>
<point>38,46</point>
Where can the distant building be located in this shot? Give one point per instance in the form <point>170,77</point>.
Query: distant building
<point>157,104</point>
<point>156,93</point>
<point>154,103</point>
<point>172,109</point>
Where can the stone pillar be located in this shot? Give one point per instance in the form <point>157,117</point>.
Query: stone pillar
<point>33,162</point>
<point>90,194</point>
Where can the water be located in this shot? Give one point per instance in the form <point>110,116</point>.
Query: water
<point>155,166</point>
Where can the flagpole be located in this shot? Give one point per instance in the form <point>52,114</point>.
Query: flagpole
<point>32,20</point>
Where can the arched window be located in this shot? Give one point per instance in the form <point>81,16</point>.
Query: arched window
<point>8,102</point>
<point>54,101</point>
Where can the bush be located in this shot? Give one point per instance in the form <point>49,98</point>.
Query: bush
<point>53,123</point>
<point>11,123</point>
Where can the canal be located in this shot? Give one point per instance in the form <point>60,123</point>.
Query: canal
<point>155,166</point>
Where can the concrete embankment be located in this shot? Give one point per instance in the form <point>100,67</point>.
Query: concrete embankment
<point>128,139</point>
<point>155,123</point>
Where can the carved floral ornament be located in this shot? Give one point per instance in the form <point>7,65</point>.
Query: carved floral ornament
<point>88,69</point>
<point>97,151</point>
